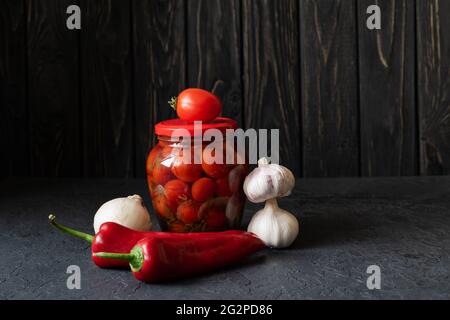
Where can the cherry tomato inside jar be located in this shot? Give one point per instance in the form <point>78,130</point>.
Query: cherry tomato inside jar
<point>214,165</point>
<point>203,189</point>
<point>185,169</point>
<point>161,204</point>
<point>187,212</point>
<point>188,196</point>
<point>176,192</point>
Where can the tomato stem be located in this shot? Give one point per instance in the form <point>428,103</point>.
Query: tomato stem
<point>173,103</point>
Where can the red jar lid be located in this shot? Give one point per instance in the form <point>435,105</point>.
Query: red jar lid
<point>167,127</point>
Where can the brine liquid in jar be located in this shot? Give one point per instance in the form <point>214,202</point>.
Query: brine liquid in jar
<point>190,191</point>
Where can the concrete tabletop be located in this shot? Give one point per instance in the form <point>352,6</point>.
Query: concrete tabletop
<point>401,225</point>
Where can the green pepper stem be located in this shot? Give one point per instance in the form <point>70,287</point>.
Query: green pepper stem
<point>120,256</point>
<point>70,231</point>
<point>135,257</point>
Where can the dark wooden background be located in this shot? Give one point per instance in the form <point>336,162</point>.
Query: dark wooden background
<point>348,101</point>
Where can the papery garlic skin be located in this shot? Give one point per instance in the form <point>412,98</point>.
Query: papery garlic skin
<point>129,212</point>
<point>268,181</point>
<point>276,227</point>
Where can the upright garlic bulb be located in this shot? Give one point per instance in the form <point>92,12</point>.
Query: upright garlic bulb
<point>268,181</point>
<point>278,228</point>
<point>129,212</point>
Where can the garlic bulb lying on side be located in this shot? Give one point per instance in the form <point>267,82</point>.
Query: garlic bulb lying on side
<point>278,228</point>
<point>129,212</point>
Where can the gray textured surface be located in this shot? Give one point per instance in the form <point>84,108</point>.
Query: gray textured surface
<point>400,224</point>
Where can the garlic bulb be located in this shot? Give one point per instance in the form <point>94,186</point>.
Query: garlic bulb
<point>268,181</point>
<point>129,212</point>
<point>276,227</point>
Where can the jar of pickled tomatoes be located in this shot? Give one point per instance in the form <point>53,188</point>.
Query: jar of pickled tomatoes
<point>200,192</point>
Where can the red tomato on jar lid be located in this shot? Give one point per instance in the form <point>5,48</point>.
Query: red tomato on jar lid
<point>195,104</point>
<point>203,189</point>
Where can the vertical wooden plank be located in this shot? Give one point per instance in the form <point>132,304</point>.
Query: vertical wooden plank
<point>106,90</point>
<point>159,67</point>
<point>53,90</point>
<point>433,43</point>
<point>387,80</point>
<point>270,72</point>
<point>214,51</point>
<point>329,88</point>
<point>14,155</point>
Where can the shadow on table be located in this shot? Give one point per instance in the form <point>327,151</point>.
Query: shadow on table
<point>253,260</point>
<point>329,229</point>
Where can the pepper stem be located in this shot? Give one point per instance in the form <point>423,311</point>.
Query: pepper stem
<point>111,255</point>
<point>70,231</point>
<point>135,257</point>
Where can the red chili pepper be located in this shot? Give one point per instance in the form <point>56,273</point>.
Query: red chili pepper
<point>110,237</point>
<point>157,258</point>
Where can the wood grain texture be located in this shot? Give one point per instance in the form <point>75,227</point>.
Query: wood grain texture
<point>387,82</point>
<point>433,57</point>
<point>214,51</point>
<point>53,90</point>
<point>159,67</point>
<point>270,73</point>
<point>347,100</point>
<point>14,141</point>
<point>329,88</point>
<point>106,89</point>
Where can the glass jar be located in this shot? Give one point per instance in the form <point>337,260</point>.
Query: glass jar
<point>195,196</point>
